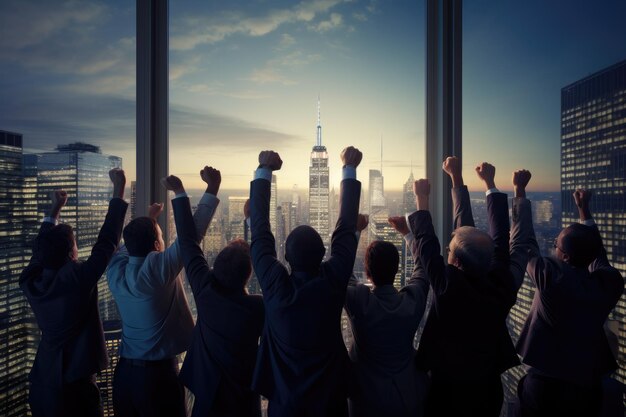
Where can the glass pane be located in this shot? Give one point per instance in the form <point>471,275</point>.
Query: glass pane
<point>67,115</point>
<point>544,90</point>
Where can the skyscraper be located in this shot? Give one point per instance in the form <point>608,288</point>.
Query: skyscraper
<point>319,205</point>
<point>19,334</point>
<point>236,216</point>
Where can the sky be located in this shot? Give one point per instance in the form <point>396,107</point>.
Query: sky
<point>246,76</point>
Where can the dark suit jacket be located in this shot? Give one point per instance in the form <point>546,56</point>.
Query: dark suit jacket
<point>563,336</point>
<point>384,321</point>
<point>223,349</point>
<point>65,303</point>
<point>302,362</point>
<point>465,337</point>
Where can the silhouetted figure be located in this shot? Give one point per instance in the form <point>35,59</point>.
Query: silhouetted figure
<point>465,344</point>
<point>220,361</point>
<point>303,365</point>
<point>563,341</point>
<point>384,321</point>
<point>156,321</point>
<point>63,294</point>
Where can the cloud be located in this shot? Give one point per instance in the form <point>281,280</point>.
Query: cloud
<point>191,32</point>
<point>274,69</point>
<point>333,22</point>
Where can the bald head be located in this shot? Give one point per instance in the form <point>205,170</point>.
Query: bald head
<point>471,250</point>
<point>578,245</point>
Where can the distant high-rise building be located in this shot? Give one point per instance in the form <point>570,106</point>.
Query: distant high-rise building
<point>376,191</point>
<point>19,334</point>
<point>113,339</point>
<point>408,206</point>
<point>542,211</point>
<point>133,199</point>
<point>319,205</point>
<point>236,225</point>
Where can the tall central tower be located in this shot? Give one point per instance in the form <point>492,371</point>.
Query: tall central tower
<point>319,207</point>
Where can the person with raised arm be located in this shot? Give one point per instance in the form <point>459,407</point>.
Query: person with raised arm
<point>465,344</point>
<point>220,360</point>
<point>63,294</point>
<point>563,342</point>
<point>156,321</point>
<point>303,367</point>
<point>384,322</point>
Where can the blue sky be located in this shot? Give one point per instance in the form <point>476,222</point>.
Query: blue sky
<point>245,76</point>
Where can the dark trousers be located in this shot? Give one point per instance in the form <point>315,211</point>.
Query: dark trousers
<point>77,398</point>
<point>477,398</point>
<point>539,395</point>
<point>336,407</point>
<point>230,401</point>
<point>148,389</point>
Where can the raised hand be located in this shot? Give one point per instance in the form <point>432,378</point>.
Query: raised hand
<point>582,198</point>
<point>351,156</point>
<point>59,199</point>
<point>520,181</point>
<point>487,173</point>
<point>155,210</point>
<point>213,179</point>
<point>173,183</point>
<point>118,178</point>
<point>421,189</point>
<point>246,209</point>
<point>399,224</point>
<point>270,160</point>
<point>452,166</point>
<point>362,222</point>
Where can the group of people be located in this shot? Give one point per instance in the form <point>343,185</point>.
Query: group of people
<point>287,345</point>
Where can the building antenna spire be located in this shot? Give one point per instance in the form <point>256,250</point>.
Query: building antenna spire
<point>319,123</point>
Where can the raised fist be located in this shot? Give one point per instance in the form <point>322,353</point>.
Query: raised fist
<point>246,209</point>
<point>213,179</point>
<point>361,222</point>
<point>421,187</point>
<point>351,156</point>
<point>117,177</point>
<point>155,210</point>
<point>59,198</point>
<point>487,173</point>
<point>399,224</point>
<point>271,160</point>
<point>452,166</point>
<point>582,197</point>
<point>173,183</point>
<point>521,178</point>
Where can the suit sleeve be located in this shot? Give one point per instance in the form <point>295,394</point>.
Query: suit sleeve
<point>429,250</point>
<point>462,214</point>
<point>498,215</point>
<point>521,232</point>
<point>109,237</point>
<point>418,284</point>
<point>34,264</point>
<point>196,267</point>
<point>268,269</point>
<point>613,278</point>
<point>344,241</point>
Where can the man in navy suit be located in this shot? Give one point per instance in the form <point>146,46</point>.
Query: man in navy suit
<point>563,341</point>
<point>303,365</point>
<point>465,344</point>
<point>220,361</point>
<point>63,294</point>
<point>384,321</point>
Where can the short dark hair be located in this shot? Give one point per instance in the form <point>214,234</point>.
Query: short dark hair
<point>232,266</point>
<point>140,235</point>
<point>54,246</point>
<point>304,249</point>
<point>381,262</point>
<point>582,244</point>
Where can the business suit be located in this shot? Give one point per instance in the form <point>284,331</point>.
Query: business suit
<point>384,321</point>
<point>465,344</point>
<point>65,303</point>
<point>563,340</point>
<point>303,366</point>
<point>220,360</point>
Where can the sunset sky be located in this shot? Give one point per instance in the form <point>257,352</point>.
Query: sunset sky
<point>245,76</point>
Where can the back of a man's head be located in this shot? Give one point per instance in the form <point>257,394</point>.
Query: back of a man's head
<point>381,262</point>
<point>304,249</point>
<point>55,246</point>
<point>472,250</point>
<point>140,236</point>
<point>232,266</point>
<point>580,243</point>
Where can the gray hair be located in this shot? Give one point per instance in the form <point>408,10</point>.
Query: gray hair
<point>473,248</point>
